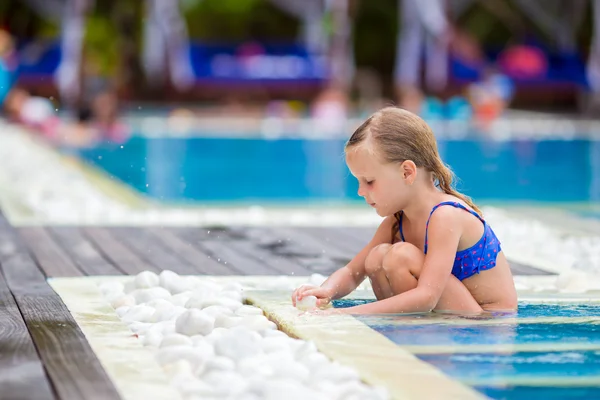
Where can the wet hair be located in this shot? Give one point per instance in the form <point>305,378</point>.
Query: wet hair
<point>397,135</point>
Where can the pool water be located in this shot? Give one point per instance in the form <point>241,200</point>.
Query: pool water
<point>549,351</point>
<point>203,169</point>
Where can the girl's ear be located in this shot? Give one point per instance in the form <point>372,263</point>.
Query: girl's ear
<point>409,171</point>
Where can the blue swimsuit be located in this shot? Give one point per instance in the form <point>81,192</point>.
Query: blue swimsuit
<point>468,262</point>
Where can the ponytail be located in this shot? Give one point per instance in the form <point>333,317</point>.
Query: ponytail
<point>444,177</point>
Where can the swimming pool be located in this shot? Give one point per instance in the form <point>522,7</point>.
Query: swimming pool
<point>551,351</point>
<point>296,170</point>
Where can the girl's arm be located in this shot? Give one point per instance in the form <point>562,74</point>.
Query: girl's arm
<point>346,279</point>
<point>443,234</point>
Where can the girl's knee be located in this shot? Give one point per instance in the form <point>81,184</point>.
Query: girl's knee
<point>402,256</point>
<point>375,258</point>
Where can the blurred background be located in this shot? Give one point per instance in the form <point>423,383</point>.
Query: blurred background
<point>251,101</point>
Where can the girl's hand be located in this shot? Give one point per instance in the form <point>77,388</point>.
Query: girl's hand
<point>322,294</point>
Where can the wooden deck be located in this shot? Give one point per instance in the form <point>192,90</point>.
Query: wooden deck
<point>43,353</point>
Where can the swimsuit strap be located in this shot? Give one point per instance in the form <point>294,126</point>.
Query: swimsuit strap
<point>447,203</point>
<point>400,225</point>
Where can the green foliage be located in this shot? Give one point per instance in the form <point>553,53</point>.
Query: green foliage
<point>101,44</point>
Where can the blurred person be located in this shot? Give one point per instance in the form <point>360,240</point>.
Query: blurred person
<point>490,96</point>
<point>34,112</point>
<point>68,73</point>
<point>329,110</point>
<point>423,26</point>
<point>166,41</point>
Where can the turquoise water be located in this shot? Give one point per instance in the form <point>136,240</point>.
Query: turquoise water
<point>301,170</point>
<point>556,369</point>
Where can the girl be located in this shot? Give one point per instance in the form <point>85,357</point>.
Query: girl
<point>433,250</point>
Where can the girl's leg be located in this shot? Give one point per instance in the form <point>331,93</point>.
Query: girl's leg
<point>374,269</point>
<point>401,267</point>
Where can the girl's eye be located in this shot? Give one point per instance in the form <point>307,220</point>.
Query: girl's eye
<point>370,182</point>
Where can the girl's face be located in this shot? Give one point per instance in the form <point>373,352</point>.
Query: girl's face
<point>384,186</point>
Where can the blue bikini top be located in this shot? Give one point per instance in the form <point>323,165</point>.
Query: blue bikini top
<point>468,262</point>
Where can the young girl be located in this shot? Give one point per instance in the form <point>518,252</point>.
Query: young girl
<point>433,250</point>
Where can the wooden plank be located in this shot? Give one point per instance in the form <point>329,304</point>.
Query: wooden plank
<point>83,252</point>
<point>224,252</point>
<point>53,260</point>
<point>72,366</point>
<point>337,238</point>
<point>22,374</point>
<point>117,252</point>
<point>304,243</point>
<point>277,263</point>
<point>148,247</point>
<point>200,260</point>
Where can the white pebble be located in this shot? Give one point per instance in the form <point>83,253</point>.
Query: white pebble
<point>139,328</point>
<point>126,300</point>
<point>175,339</point>
<point>194,322</point>
<point>139,313</point>
<point>237,343</point>
<point>219,363</point>
<point>307,303</point>
<point>171,354</point>
<point>152,338</point>
<point>215,311</point>
<point>233,305</point>
<point>180,299</point>
<point>146,295</point>
<point>226,321</point>
<point>166,313</point>
<point>173,282</point>
<point>122,310</point>
<point>146,280</point>
<point>225,382</point>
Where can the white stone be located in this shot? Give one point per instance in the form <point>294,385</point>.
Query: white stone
<point>225,382</point>
<point>180,299</point>
<point>307,303</point>
<point>146,295</point>
<point>152,338</point>
<point>122,311</point>
<point>226,321</point>
<point>194,322</point>
<point>170,354</point>
<point>219,363</point>
<point>237,343</point>
<point>146,280</point>
<point>175,339</point>
<point>138,313</point>
<point>215,311</point>
<point>125,300</point>
<point>233,305</point>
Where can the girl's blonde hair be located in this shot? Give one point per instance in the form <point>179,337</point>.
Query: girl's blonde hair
<point>398,135</point>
